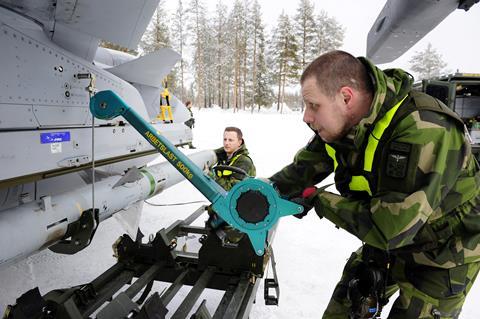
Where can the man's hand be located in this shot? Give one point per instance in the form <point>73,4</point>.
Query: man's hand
<point>206,169</point>
<point>306,200</point>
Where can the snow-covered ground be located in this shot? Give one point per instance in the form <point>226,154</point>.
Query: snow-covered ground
<point>310,253</point>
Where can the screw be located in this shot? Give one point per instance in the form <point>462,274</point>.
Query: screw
<point>103,105</point>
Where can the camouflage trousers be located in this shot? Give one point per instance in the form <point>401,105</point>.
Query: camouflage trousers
<point>425,292</point>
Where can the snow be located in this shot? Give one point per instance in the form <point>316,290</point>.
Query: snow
<point>310,253</point>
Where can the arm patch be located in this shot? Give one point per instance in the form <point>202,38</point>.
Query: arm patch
<point>397,160</point>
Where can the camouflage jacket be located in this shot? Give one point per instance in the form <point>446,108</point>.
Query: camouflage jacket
<point>424,204</point>
<point>239,159</point>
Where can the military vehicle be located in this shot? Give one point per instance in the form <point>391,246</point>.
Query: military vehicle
<point>461,93</point>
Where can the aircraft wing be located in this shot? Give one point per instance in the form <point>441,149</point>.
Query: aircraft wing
<point>149,69</point>
<point>119,21</point>
<point>78,25</point>
<point>403,23</point>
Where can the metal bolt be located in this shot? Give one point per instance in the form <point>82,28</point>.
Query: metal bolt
<point>103,105</point>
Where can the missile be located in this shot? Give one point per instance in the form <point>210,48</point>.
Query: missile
<point>48,221</point>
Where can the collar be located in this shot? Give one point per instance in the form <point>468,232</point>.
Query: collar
<point>390,87</point>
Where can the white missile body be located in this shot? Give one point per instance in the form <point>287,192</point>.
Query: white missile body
<point>29,228</point>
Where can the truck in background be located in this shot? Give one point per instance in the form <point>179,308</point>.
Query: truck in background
<point>461,93</point>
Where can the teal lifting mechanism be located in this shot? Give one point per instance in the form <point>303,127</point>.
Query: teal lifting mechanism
<point>251,206</point>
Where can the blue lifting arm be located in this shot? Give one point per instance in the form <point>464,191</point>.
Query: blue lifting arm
<point>251,206</point>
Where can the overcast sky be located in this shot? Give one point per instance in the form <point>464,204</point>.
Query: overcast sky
<point>456,38</point>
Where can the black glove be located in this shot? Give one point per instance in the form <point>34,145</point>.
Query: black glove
<point>306,200</point>
<point>190,122</point>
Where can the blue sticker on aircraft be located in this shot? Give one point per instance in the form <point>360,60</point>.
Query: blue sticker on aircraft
<point>54,137</point>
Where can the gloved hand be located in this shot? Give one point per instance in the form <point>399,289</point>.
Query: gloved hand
<point>306,200</point>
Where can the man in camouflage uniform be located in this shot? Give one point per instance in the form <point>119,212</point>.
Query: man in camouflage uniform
<point>409,188</point>
<point>233,154</point>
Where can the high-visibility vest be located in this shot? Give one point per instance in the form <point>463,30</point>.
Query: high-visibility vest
<point>360,183</point>
<point>227,172</point>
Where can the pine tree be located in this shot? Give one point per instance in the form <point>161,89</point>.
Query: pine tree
<point>221,51</point>
<point>306,32</point>
<point>330,33</point>
<point>259,88</point>
<point>230,67</point>
<point>197,31</point>
<point>245,39</point>
<point>210,61</point>
<point>427,63</point>
<point>237,21</point>
<point>156,36</point>
<point>263,89</point>
<point>179,42</point>
<point>284,48</point>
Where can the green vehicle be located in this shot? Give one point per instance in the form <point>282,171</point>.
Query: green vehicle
<point>461,93</point>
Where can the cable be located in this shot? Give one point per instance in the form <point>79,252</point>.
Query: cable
<point>93,151</point>
<point>175,204</point>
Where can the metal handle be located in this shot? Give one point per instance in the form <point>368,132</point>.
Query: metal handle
<point>251,206</point>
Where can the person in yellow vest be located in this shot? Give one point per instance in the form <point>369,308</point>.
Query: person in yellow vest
<point>409,189</point>
<point>233,165</point>
<point>233,153</point>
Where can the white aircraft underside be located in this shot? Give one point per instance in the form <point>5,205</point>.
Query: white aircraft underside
<point>49,53</point>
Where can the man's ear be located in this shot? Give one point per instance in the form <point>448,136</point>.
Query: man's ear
<point>347,95</point>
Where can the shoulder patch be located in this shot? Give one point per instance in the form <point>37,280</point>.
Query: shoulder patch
<point>397,160</point>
